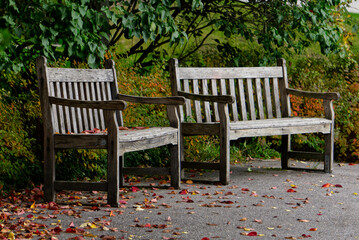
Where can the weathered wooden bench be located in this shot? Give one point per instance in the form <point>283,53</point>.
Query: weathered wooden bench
<point>76,100</point>
<point>241,102</point>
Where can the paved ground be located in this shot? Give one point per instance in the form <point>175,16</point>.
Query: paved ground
<point>261,201</point>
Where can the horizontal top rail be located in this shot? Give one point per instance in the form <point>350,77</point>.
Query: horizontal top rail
<point>79,75</point>
<point>228,73</point>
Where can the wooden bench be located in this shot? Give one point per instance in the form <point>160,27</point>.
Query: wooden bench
<point>76,100</point>
<point>241,102</point>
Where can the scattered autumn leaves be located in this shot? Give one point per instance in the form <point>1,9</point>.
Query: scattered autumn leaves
<point>24,215</point>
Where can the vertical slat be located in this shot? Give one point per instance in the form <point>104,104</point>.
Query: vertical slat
<point>215,105</point>
<point>251,98</point>
<point>259,98</point>
<point>188,103</point>
<point>67,117</point>
<point>78,110</point>
<point>90,111</point>
<point>197,104</point>
<point>242,99</point>
<point>84,111</point>
<point>207,108</point>
<point>55,118</point>
<point>232,91</point>
<point>73,116</point>
<point>60,110</point>
<point>268,98</point>
<point>94,97</point>
<point>276,97</point>
<point>102,96</point>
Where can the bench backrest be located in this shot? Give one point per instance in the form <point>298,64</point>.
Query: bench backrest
<point>257,91</point>
<point>78,84</point>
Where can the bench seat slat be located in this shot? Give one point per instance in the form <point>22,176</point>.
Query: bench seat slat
<point>282,126</point>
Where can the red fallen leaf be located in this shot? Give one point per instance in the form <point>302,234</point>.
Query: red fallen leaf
<point>291,190</point>
<point>227,202</point>
<point>148,225</point>
<point>326,185</point>
<point>338,185</point>
<point>53,206</point>
<point>183,192</point>
<point>57,230</point>
<point>252,234</point>
<point>112,214</point>
<point>29,216</point>
<point>313,229</point>
<point>123,202</point>
<point>351,164</point>
<point>71,230</point>
<point>140,128</point>
<point>122,128</point>
<point>205,238</point>
<point>134,189</point>
<point>245,189</point>
<point>306,236</point>
<point>95,208</point>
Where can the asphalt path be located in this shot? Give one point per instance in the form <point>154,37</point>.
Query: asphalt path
<point>262,201</point>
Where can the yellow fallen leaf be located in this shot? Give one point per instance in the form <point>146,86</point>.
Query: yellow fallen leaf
<point>189,182</point>
<point>32,205</point>
<point>11,236</point>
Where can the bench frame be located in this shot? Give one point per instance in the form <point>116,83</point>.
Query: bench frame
<point>74,100</point>
<point>219,113</point>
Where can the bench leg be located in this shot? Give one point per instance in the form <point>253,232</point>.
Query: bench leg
<point>224,165</point>
<point>113,180</point>
<point>120,172</point>
<point>181,148</point>
<point>175,166</point>
<point>328,152</point>
<point>285,151</point>
<point>49,171</point>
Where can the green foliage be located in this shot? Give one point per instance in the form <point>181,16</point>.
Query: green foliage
<point>81,164</point>
<point>18,164</point>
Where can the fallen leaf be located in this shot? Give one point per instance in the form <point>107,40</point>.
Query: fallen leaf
<point>303,220</point>
<point>313,229</point>
<point>252,234</point>
<point>327,185</point>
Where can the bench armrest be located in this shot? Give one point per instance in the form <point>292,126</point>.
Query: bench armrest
<point>175,100</point>
<point>324,96</point>
<point>226,99</point>
<point>104,104</point>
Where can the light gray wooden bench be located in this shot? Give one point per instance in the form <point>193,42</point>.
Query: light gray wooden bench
<point>74,100</point>
<point>241,102</point>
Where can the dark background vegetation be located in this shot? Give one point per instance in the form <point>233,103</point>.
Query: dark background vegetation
<point>317,38</point>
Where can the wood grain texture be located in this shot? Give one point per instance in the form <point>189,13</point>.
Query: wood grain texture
<point>75,100</point>
<point>259,99</point>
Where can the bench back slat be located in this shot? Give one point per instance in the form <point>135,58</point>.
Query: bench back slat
<point>79,84</point>
<point>257,91</point>
<point>207,107</point>
<point>197,104</point>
